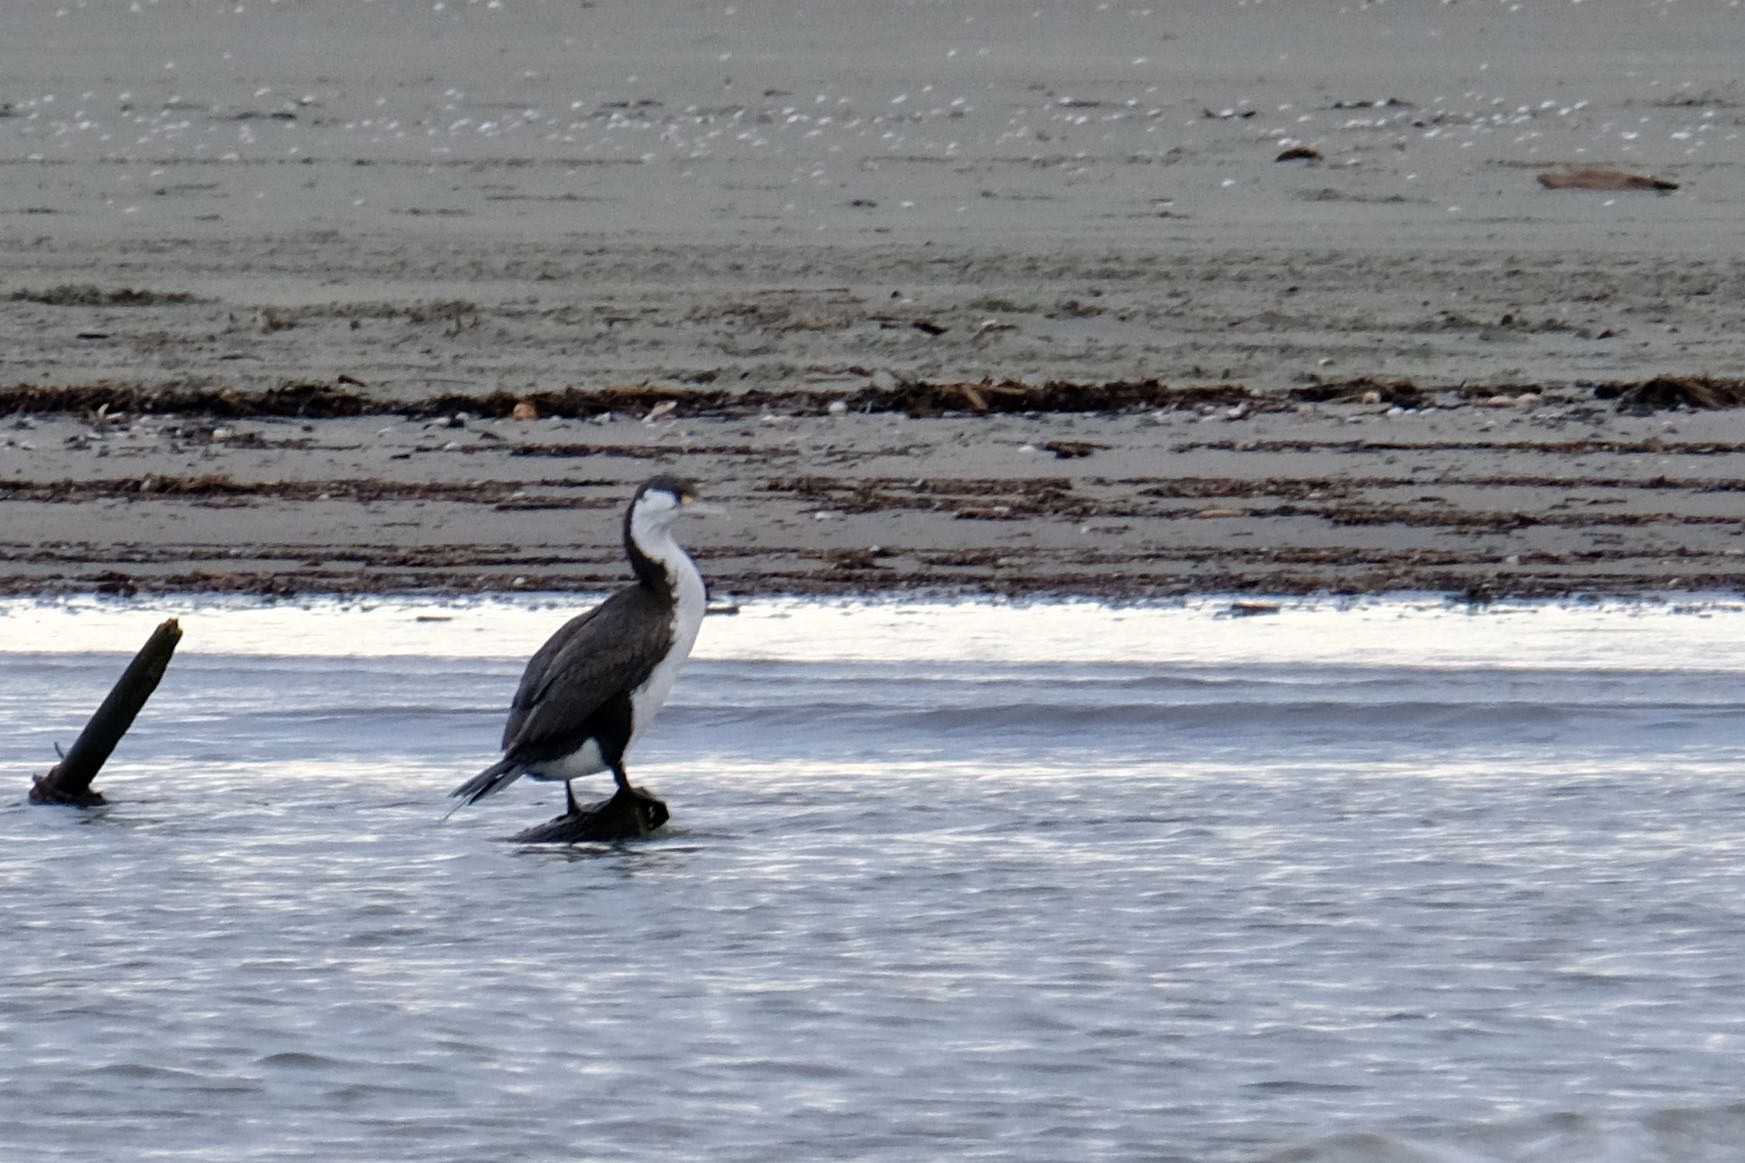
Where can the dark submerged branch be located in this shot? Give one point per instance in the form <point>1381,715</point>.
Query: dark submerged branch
<point>628,815</point>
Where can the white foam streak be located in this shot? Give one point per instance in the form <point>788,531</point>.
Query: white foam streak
<point>1707,634</point>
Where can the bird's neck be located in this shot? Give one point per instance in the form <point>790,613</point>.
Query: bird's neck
<point>656,556</point>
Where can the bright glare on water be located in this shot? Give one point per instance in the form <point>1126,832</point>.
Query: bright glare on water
<point>1390,881</point>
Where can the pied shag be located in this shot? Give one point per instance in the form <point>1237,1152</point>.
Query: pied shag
<point>596,684</point>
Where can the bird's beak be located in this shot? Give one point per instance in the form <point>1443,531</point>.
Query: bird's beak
<point>702,508</point>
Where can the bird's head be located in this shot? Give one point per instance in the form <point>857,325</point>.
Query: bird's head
<point>660,499</point>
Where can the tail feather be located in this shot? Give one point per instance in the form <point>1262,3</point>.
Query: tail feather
<point>495,777</point>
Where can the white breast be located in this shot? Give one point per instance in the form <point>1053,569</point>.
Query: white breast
<point>690,600</point>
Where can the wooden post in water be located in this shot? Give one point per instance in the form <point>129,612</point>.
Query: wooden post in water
<point>69,781</point>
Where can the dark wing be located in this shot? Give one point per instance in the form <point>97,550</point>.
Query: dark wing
<point>596,655</point>
<point>540,669</point>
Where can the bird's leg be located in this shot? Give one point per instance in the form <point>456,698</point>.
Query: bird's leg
<point>569,796</point>
<point>619,777</point>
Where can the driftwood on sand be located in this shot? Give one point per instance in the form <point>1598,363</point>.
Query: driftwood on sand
<point>69,781</point>
<point>628,815</point>
<point>1603,178</point>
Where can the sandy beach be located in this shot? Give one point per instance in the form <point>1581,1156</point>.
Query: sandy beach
<point>945,297</point>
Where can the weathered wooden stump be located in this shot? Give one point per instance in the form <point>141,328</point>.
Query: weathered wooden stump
<point>69,781</point>
<point>628,815</point>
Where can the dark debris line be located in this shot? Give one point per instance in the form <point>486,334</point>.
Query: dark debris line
<point>343,398</point>
<point>1194,564</point>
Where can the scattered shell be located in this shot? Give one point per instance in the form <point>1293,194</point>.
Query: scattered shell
<point>524,410</point>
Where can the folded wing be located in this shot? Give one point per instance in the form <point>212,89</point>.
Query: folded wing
<point>594,657</point>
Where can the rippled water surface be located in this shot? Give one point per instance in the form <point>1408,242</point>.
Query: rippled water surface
<point>1395,881</point>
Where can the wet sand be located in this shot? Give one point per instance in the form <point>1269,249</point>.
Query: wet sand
<point>950,297</point>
